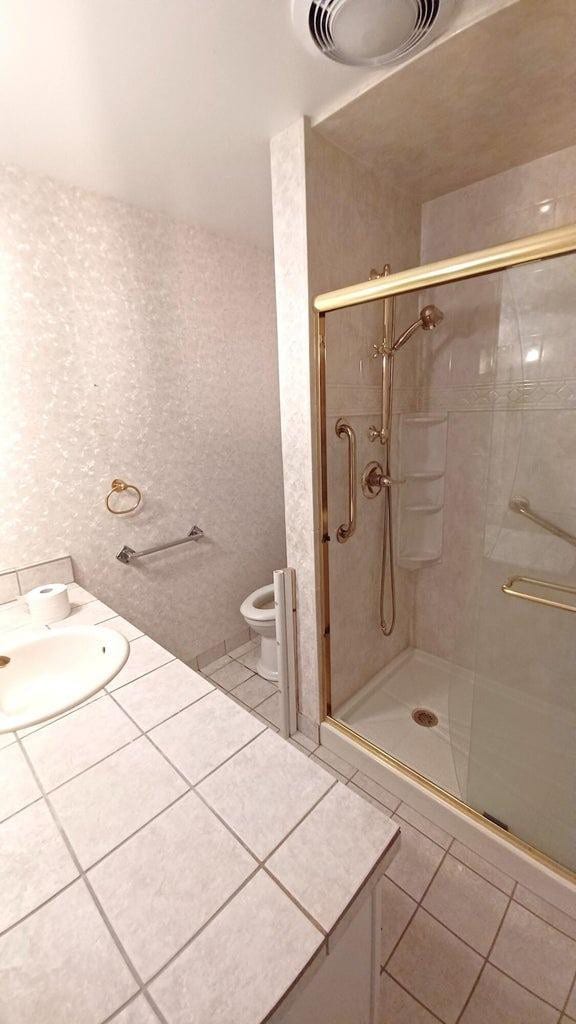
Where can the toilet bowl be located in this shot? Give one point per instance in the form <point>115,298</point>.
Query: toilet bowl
<point>260,614</point>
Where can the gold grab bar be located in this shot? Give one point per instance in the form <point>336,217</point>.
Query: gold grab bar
<point>345,530</point>
<point>508,588</point>
<point>522,506</point>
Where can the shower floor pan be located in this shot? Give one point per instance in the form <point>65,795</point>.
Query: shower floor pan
<point>417,681</point>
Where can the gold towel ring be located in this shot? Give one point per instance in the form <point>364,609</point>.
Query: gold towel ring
<point>117,487</point>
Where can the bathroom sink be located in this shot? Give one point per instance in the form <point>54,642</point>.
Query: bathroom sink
<point>44,672</point>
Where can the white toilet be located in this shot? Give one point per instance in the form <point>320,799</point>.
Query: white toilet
<point>260,614</point>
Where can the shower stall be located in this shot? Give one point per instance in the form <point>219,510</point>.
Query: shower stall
<point>448,528</point>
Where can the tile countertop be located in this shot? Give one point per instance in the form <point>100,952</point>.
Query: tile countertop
<point>163,855</point>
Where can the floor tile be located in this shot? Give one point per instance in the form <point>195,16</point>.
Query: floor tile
<point>251,658</point>
<point>377,791</point>
<point>18,786</point>
<point>213,666</point>
<point>200,738</point>
<point>264,791</point>
<point>62,965</point>
<point>482,867</point>
<point>571,1004</point>
<point>230,675</point>
<point>77,741</point>
<point>557,918</point>
<point>324,861</point>
<point>161,693</point>
<point>466,903</point>
<point>110,801</point>
<point>499,1000</point>
<point>261,961</point>
<point>438,835</point>
<point>34,862</point>
<point>328,768</point>
<point>435,966</point>
<point>304,741</point>
<point>398,1007</point>
<point>536,955</point>
<point>254,690</point>
<point>416,861</point>
<point>145,655</point>
<point>152,895</point>
<point>329,758</point>
<point>124,627</point>
<point>243,649</point>
<point>137,1012</point>
<point>397,911</point>
<point>270,709</point>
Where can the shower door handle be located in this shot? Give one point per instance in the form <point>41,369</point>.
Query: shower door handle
<point>345,530</point>
<point>509,588</point>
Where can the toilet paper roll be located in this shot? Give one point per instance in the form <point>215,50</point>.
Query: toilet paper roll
<point>49,603</point>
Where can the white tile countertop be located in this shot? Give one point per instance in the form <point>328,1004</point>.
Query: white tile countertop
<point>166,857</point>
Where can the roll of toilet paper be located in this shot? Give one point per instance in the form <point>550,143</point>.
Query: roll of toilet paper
<point>49,603</point>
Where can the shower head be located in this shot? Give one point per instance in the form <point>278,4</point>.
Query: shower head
<point>430,317</point>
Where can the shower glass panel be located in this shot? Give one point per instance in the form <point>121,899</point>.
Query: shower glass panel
<point>474,689</point>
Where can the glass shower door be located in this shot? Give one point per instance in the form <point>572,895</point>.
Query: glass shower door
<point>521,766</point>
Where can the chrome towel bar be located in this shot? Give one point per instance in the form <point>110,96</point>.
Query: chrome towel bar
<point>127,554</point>
<point>508,588</point>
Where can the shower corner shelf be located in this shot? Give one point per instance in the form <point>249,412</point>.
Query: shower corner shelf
<point>422,466</point>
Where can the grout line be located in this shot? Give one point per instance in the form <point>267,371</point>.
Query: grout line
<point>293,899</point>
<point>82,878</point>
<point>148,671</point>
<point>49,899</point>
<point>412,996</point>
<point>162,720</point>
<point>487,957</point>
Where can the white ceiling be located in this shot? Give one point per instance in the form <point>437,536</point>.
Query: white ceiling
<point>165,103</point>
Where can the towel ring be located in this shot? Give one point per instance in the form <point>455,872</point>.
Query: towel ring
<point>117,487</point>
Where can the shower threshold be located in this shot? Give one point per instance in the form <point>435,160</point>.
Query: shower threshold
<point>415,681</point>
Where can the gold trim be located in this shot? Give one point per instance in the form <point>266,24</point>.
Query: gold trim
<point>508,588</point>
<point>449,798</point>
<point>545,245</point>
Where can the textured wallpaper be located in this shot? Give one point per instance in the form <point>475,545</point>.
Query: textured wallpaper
<point>133,346</point>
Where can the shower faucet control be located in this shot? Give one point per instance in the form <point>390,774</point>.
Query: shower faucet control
<point>374,479</point>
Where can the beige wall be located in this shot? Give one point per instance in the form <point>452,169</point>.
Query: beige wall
<point>137,347</point>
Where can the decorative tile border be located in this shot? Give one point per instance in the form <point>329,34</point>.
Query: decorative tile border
<point>360,399</point>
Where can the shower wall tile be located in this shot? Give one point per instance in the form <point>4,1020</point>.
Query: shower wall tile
<point>123,355</point>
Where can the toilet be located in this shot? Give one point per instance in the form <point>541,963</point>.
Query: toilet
<point>260,614</point>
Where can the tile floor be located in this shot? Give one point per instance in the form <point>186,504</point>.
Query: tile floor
<point>462,943</point>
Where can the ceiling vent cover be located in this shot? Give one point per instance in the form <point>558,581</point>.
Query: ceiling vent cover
<point>370,33</point>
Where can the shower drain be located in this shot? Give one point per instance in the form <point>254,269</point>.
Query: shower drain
<point>422,716</point>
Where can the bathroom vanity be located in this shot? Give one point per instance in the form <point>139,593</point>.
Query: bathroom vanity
<point>162,849</point>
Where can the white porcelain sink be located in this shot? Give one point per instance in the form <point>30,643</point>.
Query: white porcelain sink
<point>50,671</point>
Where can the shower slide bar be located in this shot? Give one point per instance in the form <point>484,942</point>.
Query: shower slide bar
<point>508,588</point>
<point>127,555</point>
<point>345,530</point>
<point>522,506</point>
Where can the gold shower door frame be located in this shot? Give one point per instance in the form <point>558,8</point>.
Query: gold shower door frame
<point>543,246</point>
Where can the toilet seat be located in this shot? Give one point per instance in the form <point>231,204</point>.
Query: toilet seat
<point>252,606</point>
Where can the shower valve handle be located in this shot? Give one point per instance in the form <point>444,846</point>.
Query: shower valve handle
<point>374,479</point>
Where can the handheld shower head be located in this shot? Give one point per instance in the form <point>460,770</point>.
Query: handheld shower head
<point>430,317</point>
